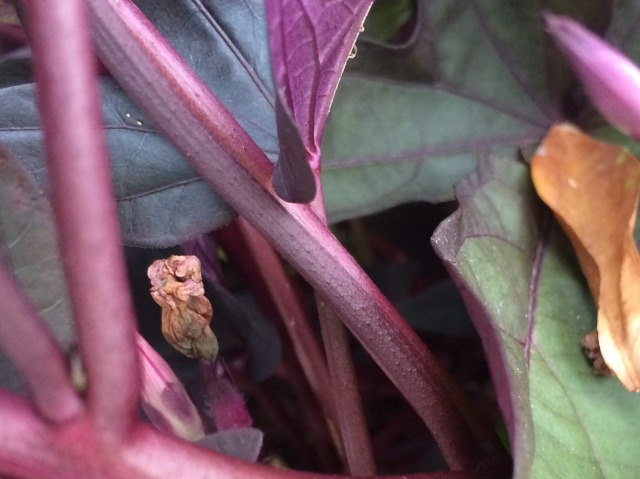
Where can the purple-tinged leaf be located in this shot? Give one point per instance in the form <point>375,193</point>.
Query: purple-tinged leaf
<point>310,42</point>
<point>292,179</point>
<point>226,406</point>
<point>526,296</point>
<point>411,133</point>
<point>243,442</point>
<point>148,174</point>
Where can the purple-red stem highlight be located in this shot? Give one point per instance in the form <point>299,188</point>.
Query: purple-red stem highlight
<point>85,209</point>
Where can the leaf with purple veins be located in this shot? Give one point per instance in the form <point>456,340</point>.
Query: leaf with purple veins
<point>310,42</point>
<point>526,296</point>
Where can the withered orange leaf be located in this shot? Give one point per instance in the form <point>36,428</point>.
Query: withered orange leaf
<point>592,188</point>
<point>176,285</point>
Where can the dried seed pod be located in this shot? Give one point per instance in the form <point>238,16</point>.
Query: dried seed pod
<point>176,285</point>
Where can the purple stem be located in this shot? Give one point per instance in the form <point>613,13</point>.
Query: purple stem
<point>85,210</point>
<point>199,126</point>
<point>344,384</point>
<point>29,344</point>
<point>346,397</point>
<point>31,448</point>
<point>294,319</point>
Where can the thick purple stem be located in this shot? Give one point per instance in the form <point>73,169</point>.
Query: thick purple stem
<point>29,344</point>
<point>85,210</point>
<point>206,134</point>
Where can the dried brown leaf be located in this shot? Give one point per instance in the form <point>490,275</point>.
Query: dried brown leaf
<point>592,188</point>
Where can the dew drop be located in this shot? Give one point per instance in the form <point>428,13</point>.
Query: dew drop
<point>131,120</point>
<point>353,53</point>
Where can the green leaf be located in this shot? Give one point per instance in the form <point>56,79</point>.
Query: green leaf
<point>386,17</point>
<point>409,121</point>
<point>528,300</point>
<point>29,249</point>
<point>402,135</point>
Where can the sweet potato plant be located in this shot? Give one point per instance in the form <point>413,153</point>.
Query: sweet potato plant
<point>139,135</point>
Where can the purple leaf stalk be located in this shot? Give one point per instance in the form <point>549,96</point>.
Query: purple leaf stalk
<point>611,80</point>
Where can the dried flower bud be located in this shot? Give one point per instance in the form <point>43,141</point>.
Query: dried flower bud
<point>164,399</point>
<point>610,79</point>
<point>176,285</point>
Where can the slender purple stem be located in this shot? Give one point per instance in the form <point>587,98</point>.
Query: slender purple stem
<point>199,126</point>
<point>85,210</point>
<point>294,319</point>
<point>346,397</point>
<point>344,385</point>
<point>29,344</point>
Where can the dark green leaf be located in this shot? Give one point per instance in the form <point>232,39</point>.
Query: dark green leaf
<point>389,141</point>
<point>161,199</point>
<point>439,310</point>
<point>29,249</point>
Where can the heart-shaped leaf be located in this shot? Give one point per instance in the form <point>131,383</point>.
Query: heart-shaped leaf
<point>531,307</point>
